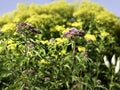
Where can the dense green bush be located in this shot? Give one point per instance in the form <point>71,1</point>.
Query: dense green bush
<point>49,61</point>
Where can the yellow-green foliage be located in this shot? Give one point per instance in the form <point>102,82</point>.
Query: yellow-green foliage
<point>55,18</point>
<point>49,61</point>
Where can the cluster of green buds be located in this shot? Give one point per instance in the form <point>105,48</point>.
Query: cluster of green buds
<point>115,62</point>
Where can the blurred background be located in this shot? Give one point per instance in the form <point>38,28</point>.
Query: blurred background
<point>8,6</point>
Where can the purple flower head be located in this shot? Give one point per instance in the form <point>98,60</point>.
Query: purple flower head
<point>30,71</point>
<point>76,32</point>
<point>36,31</point>
<point>25,26</point>
<point>73,32</point>
<point>29,26</point>
<point>85,53</point>
<point>31,45</point>
<point>67,35</point>
<point>22,24</point>
<point>47,78</point>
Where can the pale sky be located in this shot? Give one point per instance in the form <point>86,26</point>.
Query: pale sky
<point>10,5</point>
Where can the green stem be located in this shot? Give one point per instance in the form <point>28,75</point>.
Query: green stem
<point>74,51</point>
<point>73,60</point>
<point>111,82</point>
<point>26,51</point>
<point>26,46</point>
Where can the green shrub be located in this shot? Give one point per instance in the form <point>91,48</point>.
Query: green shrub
<point>49,61</point>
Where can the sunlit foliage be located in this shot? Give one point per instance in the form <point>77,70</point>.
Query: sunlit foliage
<point>48,61</point>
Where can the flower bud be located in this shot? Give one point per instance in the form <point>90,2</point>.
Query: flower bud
<point>99,81</point>
<point>113,60</point>
<point>30,45</point>
<point>30,71</point>
<point>47,78</point>
<point>106,62</point>
<point>117,67</point>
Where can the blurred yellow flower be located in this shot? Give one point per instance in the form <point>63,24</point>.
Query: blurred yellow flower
<point>76,24</point>
<point>44,42</point>
<point>15,33</point>
<point>12,46</point>
<point>90,36</point>
<point>66,29</point>
<point>43,61</point>
<point>69,23</point>
<point>10,27</point>
<point>9,41</point>
<point>46,16</point>
<point>16,19</point>
<point>23,76</point>
<point>1,48</point>
<point>63,52</point>
<point>59,28</point>
<point>61,40</point>
<point>33,19</point>
<point>104,34</point>
<point>81,49</point>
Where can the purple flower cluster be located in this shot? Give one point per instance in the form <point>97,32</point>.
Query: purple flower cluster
<point>47,78</point>
<point>27,26</point>
<point>73,32</point>
<point>30,71</point>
